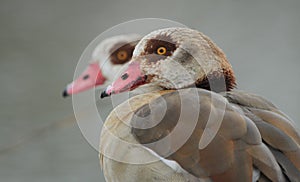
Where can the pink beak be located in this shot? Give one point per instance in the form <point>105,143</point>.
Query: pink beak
<point>91,77</point>
<point>129,80</point>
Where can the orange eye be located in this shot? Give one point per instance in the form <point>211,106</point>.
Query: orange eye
<point>122,55</point>
<point>161,51</point>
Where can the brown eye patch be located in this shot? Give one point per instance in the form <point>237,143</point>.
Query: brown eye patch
<point>122,52</point>
<point>159,48</point>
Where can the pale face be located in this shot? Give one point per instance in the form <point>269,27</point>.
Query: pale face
<point>107,60</point>
<point>176,58</point>
<point>112,53</point>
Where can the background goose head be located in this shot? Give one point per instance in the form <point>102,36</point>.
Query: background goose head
<point>107,59</point>
<point>176,58</point>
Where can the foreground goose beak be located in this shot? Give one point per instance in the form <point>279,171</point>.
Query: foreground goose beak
<point>91,77</point>
<point>129,80</point>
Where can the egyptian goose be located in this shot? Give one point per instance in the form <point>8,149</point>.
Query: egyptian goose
<point>197,128</point>
<point>107,59</point>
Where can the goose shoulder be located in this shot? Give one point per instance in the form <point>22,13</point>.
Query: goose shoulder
<point>278,131</point>
<point>228,155</point>
<point>262,132</point>
<point>122,157</point>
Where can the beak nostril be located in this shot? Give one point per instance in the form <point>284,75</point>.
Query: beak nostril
<point>85,77</point>
<point>124,76</point>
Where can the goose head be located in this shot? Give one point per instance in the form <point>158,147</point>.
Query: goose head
<point>107,59</point>
<point>176,58</point>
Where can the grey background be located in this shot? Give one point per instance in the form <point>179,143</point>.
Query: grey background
<point>41,42</point>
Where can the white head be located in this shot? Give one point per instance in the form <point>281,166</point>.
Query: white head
<point>112,53</point>
<point>107,59</point>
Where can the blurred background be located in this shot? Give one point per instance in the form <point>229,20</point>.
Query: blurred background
<point>41,42</point>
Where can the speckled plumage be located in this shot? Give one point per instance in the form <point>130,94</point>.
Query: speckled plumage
<point>196,57</point>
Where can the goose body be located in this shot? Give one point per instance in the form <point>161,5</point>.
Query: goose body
<point>198,128</point>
